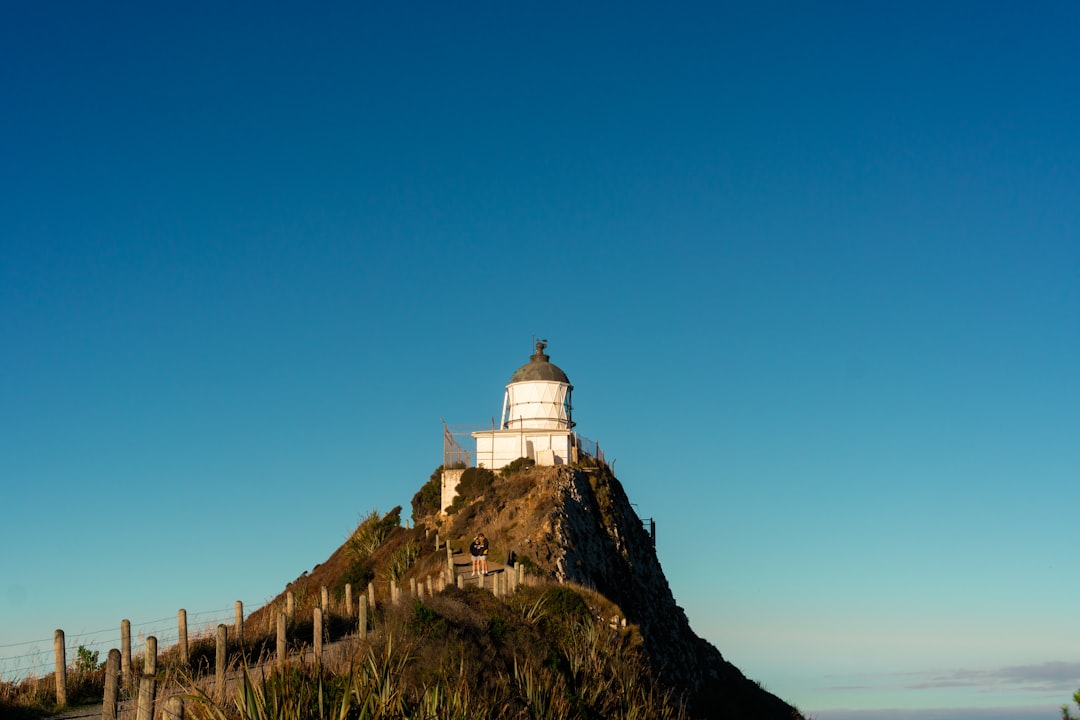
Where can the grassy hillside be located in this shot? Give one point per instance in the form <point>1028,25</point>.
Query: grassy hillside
<point>553,649</point>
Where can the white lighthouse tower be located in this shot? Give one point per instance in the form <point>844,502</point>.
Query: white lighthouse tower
<point>536,423</point>
<point>537,418</point>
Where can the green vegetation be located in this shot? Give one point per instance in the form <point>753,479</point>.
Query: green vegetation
<point>371,532</point>
<point>545,652</point>
<point>36,696</point>
<point>474,482</point>
<point>428,499</point>
<point>401,560</point>
<point>358,574</point>
<point>462,654</point>
<point>465,655</point>
<point>522,463</point>
<point>365,540</point>
<point>85,660</point>
<point>1065,714</point>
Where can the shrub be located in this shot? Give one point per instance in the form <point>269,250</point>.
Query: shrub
<point>371,532</point>
<point>1065,714</point>
<point>401,560</point>
<point>86,661</point>
<point>359,574</point>
<point>475,481</point>
<point>522,463</point>
<point>426,621</point>
<point>498,628</point>
<point>428,499</point>
<point>564,607</point>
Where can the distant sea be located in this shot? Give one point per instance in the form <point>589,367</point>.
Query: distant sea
<point>1019,713</point>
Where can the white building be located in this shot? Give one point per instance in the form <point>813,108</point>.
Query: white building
<point>537,423</point>
<point>537,418</point>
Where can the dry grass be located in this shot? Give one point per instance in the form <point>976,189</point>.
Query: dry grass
<point>465,654</point>
<point>548,651</point>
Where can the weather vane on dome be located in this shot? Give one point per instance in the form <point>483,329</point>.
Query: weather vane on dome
<point>540,345</point>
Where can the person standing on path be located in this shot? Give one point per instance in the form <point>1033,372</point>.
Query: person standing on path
<point>479,551</point>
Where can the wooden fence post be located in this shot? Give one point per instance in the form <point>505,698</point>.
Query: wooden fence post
<point>371,596</point>
<point>281,647</point>
<point>325,599</point>
<point>61,668</point>
<point>348,599</point>
<point>412,586</point>
<point>125,653</point>
<point>238,612</point>
<point>220,661</point>
<point>361,623</point>
<point>181,625</point>
<point>174,708</point>
<point>111,698</point>
<point>461,581</point>
<point>290,604</point>
<point>150,661</point>
<point>317,634</point>
<point>148,681</point>
<point>146,698</point>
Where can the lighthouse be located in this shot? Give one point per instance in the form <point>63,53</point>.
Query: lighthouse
<point>537,417</point>
<point>537,423</point>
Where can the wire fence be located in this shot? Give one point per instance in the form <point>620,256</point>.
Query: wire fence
<point>36,658</point>
<point>456,454</point>
<point>589,446</point>
<point>503,581</point>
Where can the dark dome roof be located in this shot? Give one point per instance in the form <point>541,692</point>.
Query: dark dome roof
<point>539,368</point>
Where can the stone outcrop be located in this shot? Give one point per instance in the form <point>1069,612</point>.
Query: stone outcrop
<point>605,546</point>
<point>576,524</point>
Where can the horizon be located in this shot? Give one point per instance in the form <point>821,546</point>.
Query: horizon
<point>813,272</point>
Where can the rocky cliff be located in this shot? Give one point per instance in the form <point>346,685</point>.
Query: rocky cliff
<point>575,524</point>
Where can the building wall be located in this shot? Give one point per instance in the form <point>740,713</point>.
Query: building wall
<point>497,448</point>
<point>450,480</point>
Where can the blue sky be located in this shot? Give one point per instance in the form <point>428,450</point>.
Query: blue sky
<point>814,271</point>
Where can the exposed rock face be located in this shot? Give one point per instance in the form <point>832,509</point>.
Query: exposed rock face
<point>600,542</point>
<point>576,524</point>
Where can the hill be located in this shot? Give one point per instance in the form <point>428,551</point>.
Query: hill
<point>572,528</point>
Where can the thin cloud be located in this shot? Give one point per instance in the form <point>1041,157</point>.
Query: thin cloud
<point>1058,677</point>
<point>1048,676</point>
<point>1013,713</point>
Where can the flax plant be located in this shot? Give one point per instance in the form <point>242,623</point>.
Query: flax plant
<point>544,692</point>
<point>401,560</point>
<point>368,536</point>
<point>598,674</point>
